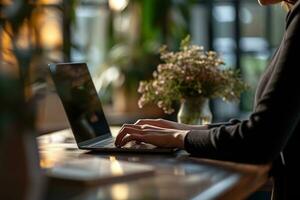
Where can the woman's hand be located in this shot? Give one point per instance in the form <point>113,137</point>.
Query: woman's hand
<point>162,123</point>
<point>158,136</point>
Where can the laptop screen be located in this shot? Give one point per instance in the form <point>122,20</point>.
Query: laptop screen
<point>80,100</point>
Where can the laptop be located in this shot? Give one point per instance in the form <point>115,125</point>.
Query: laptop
<point>84,111</point>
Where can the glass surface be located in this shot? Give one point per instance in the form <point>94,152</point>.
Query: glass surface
<point>253,27</point>
<point>253,66</point>
<point>81,102</point>
<point>252,18</point>
<point>277,25</point>
<point>224,17</point>
<point>195,111</point>
<point>199,25</point>
<point>89,36</point>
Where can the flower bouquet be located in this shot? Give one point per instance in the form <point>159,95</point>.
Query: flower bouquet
<point>191,72</point>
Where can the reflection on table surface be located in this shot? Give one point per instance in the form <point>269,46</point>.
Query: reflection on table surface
<point>175,176</point>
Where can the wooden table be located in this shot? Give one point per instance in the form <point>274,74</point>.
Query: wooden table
<point>177,176</point>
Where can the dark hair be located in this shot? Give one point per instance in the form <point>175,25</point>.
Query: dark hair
<point>290,1</point>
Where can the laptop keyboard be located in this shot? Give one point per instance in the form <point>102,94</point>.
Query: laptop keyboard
<point>110,143</point>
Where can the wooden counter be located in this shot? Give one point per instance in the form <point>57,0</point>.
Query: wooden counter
<point>177,176</point>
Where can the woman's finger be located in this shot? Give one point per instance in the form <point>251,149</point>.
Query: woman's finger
<point>144,126</point>
<point>169,139</point>
<point>159,140</point>
<point>154,122</point>
<point>131,126</point>
<point>131,137</point>
<point>147,126</point>
<point>138,129</point>
<point>124,131</point>
<point>135,130</point>
<point>152,138</point>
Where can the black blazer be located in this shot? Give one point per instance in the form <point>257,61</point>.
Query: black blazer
<point>272,132</point>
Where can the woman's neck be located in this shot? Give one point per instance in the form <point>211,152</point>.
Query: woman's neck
<point>288,4</point>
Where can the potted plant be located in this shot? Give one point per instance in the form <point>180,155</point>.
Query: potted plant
<point>191,76</point>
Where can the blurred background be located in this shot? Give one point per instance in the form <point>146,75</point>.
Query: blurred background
<point>119,40</point>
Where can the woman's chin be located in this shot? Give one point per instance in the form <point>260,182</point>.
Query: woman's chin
<point>268,2</point>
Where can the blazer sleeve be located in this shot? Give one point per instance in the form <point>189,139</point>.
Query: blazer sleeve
<point>218,124</point>
<point>261,137</point>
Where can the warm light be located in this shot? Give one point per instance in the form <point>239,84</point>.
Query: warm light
<point>48,1</point>
<point>120,191</point>
<point>6,2</point>
<point>115,166</point>
<point>55,142</point>
<point>51,35</point>
<point>47,163</point>
<point>25,37</point>
<point>49,159</point>
<point>5,40</point>
<point>118,5</point>
<point>7,55</point>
